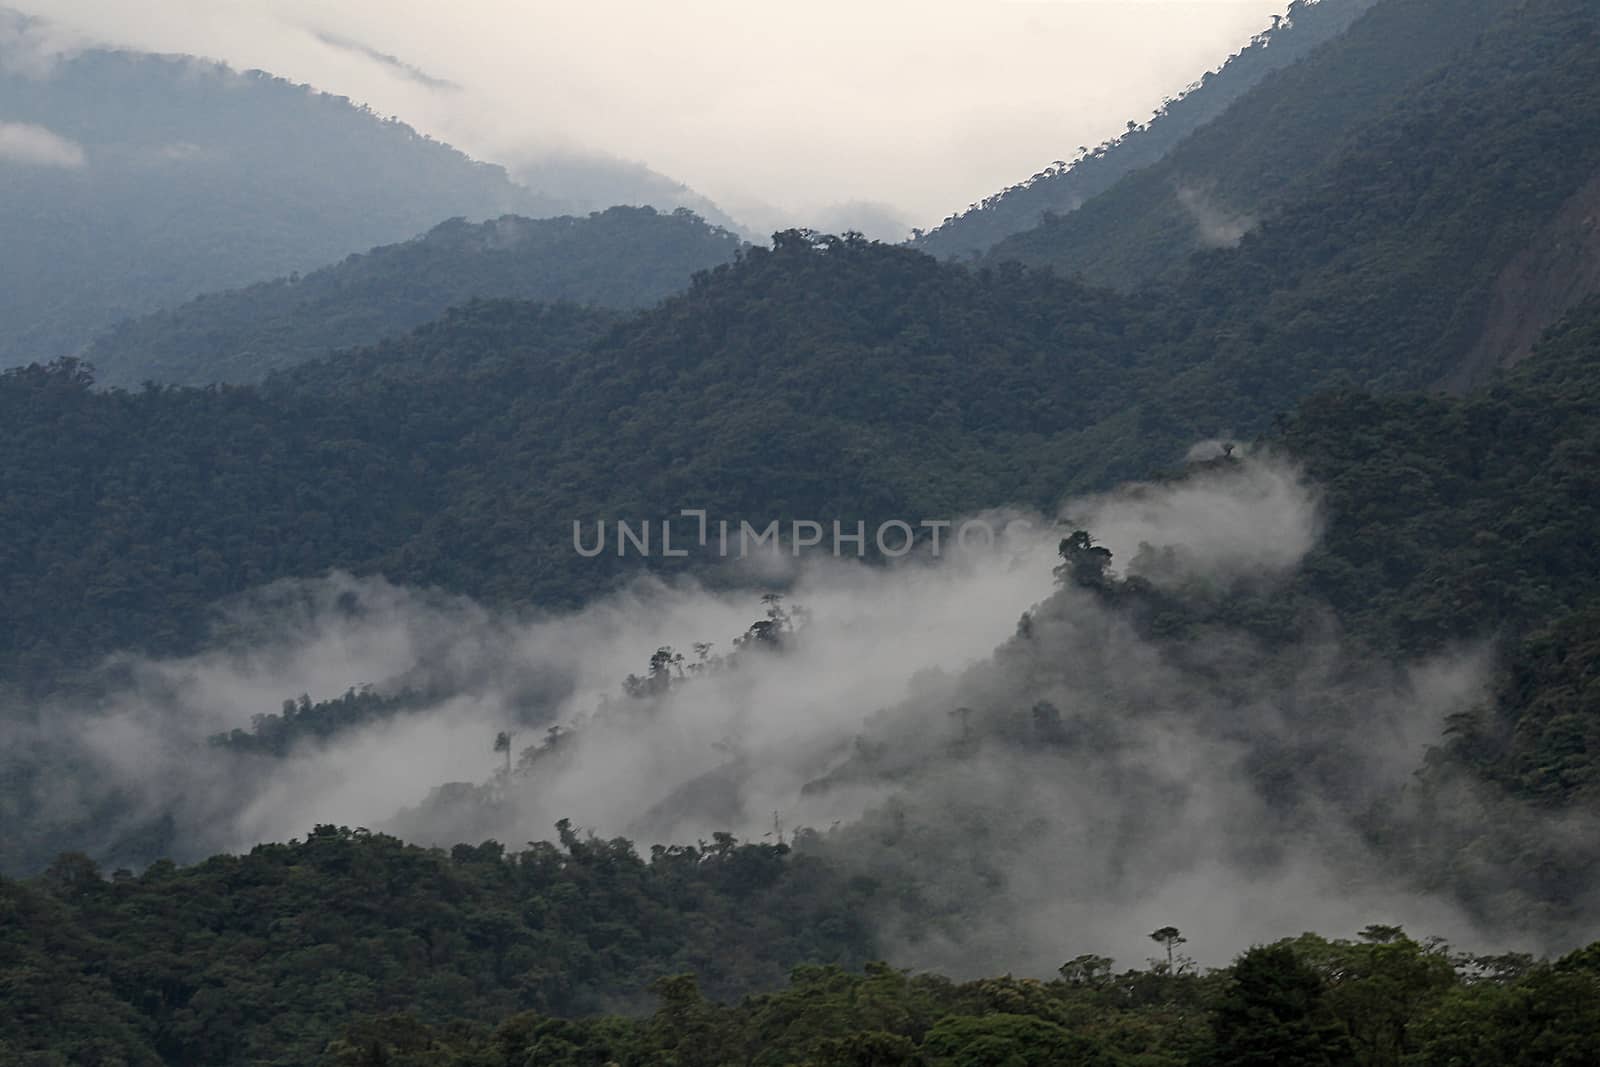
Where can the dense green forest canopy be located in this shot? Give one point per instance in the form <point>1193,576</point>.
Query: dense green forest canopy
<point>760,387</point>
<point>350,948</point>
<point>823,376</point>
<point>262,958</point>
<point>1406,707</point>
<point>619,258</point>
<point>1379,271</point>
<point>1305,1001</point>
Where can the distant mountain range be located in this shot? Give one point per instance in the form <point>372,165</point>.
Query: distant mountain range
<point>131,182</point>
<point>830,374</point>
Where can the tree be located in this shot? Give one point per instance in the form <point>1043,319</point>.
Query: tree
<point>1087,970</point>
<point>1275,1014</point>
<point>1003,1040</point>
<point>1171,938</point>
<point>870,1048</point>
<point>1084,563</point>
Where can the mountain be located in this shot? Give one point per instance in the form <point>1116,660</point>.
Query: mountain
<point>1063,187</point>
<point>1310,639</point>
<point>1446,518</point>
<point>1234,172</point>
<point>620,258</point>
<point>821,377</point>
<point>1310,644</point>
<point>130,182</point>
<point>794,382</point>
<point>1384,266</point>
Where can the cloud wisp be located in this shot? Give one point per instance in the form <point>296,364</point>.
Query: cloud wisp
<point>1031,789</point>
<point>25,143</point>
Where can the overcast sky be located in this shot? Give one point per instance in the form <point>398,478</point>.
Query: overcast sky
<point>775,110</point>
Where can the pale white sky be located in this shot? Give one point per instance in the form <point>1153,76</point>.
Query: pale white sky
<point>774,109</point>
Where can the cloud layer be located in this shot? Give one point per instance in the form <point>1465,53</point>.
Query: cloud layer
<point>781,114</point>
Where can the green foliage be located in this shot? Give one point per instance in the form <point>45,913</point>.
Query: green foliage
<point>1551,1015</point>
<point>1009,1041</point>
<point>259,958</point>
<point>1376,270</point>
<point>304,721</point>
<point>791,385</point>
<point>1454,519</point>
<point>823,377</point>
<point>831,376</point>
<point>621,258</point>
<point>1270,1008</point>
<point>1275,1013</point>
<point>351,949</point>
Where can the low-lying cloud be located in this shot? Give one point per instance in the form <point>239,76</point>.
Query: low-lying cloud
<point>23,142</point>
<point>1215,225</point>
<point>1036,770</point>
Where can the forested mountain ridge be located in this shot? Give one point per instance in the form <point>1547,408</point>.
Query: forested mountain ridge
<point>1329,659</point>
<point>1234,172</point>
<point>1449,520</point>
<point>826,376</point>
<point>1381,273</point>
<point>526,439</point>
<point>589,924</point>
<point>1063,187</point>
<point>621,258</point>
<point>508,344</point>
<point>155,178</point>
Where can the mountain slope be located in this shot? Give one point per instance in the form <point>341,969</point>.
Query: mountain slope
<point>620,258</point>
<point>794,383</point>
<point>1380,271</point>
<point>820,378</point>
<point>1063,187</point>
<point>133,182</point>
<point>1230,174</point>
<point>1456,517</point>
